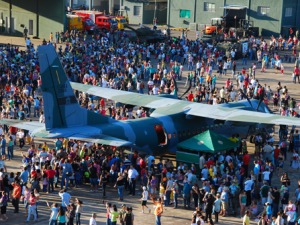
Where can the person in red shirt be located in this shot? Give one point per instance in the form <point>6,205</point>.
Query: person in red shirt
<point>191,97</point>
<point>209,163</point>
<point>246,162</point>
<point>276,155</point>
<point>50,175</point>
<point>142,163</point>
<point>296,73</point>
<point>102,103</point>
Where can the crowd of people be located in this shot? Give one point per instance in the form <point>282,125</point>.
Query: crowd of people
<point>233,183</point>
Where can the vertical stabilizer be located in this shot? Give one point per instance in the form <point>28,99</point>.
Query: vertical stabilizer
<point>61,108</point>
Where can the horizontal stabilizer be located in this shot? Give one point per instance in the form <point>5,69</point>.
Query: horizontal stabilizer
<point>104,140</point>
<point>22,124</point>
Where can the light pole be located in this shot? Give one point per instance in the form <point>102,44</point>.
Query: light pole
<point>90,5</point>
<point>154,19</point>
<point>235,22</point>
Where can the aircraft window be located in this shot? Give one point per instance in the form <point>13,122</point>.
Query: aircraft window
<point>161,135</point>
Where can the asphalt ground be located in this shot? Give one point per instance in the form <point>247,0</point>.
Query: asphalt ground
<point>93,202</point>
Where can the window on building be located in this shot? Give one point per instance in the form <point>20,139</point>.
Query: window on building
<point>209,7</point>
<point>288,12</point>
<point>137,10</point>
<point>30,28</point>
<point>263,10</point>
<point>185,13</point>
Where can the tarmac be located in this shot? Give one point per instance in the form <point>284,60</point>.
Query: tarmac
<point>93,202</point>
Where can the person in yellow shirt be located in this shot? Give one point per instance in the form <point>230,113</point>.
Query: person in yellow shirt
<point>246,218</point>
<point>211,171</point>
<point>162,190</point>
<point>45,146</point>
<point>65,143</point>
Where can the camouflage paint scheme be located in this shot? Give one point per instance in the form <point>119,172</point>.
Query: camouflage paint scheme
<point>177,120</point>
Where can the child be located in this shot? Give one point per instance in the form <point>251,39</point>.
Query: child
<point>144,199</point>
<point>45,182</point>
<point>281,69</point>
<point>162,191</point>
<point>268,210</point>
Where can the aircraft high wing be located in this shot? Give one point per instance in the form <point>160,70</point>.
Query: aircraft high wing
<point>166,106</point>
<point>148,101</point>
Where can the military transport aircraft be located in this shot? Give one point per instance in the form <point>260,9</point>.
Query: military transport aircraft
<point>171,121</point>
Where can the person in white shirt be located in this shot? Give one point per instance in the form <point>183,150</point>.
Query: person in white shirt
<point>43,156</point>
<point>144,199</point>
<point>266,175</point>
<point>202,161</point>
<point>248,187</point>
<point>155,90</point>
<point>93,219</point>
<point>132,176</point>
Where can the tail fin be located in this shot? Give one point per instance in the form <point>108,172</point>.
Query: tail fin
<point>61,108</point>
